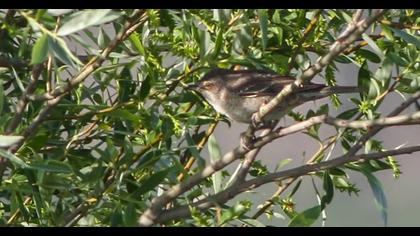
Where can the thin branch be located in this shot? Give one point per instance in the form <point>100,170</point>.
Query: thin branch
<point>248,160</point>
<point>411,119</point>
<point>400,25</point>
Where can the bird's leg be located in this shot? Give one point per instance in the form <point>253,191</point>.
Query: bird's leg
<point>264,125</point>
<point>247,141</point>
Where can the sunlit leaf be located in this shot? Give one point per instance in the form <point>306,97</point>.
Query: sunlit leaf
<point>306,218</point>
<point>263,26</point>
<point>407,37</point>
<point>86,18</point>
<point>9,140</point>
<point>14,159</point>
<point>40,50</point>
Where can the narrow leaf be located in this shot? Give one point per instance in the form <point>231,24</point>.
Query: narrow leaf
<point>52,166</point>
<point>379,195</point>
<point>407,37</point>
<point>154,180</point>
<point>263,26</point>
<point>14,159</point>
<point>328,188</point>
<point>363,80</point>
<point>83,19</point>
<point>306,218</point>
<point>373,45</point>
<point>62,52</point>
<point>215,155</point>
<point>40,50</point>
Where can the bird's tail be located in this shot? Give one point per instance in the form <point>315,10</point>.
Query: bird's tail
<point>326,91</point>
<point>338,89</point>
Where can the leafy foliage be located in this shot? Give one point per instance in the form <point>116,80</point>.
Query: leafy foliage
<point>129,131</point>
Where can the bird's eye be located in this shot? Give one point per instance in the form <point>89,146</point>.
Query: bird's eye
<point>208,84</point>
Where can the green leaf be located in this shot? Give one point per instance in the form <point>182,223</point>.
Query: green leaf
<point>205,43</point>
<point>385,70</point>
<point>9,140</point>
<point>294,190</point>
<point>373,45</point>
<point>59,12</point>
<point>379,195</point>
<point>243,39</point>
<point>62,52</point>
<point>348,114</point>
<point>262,14</point>
<point>283,163</point>
<point>14,159</point>
<point>306,218</point>
<point>136,41</point>
<point>218,43</point>
<point>1,98</point>
<point>86,18</point>
<point>368,55</point>
<point>145,88</point>
<point>194,152</point>
<point>154,180</point>
<point>328,188</point>
<point>398,59</point>
<point>407,37</point>
<point>40,50</point>
<point>103,39</point>
<point>222,15</point>
<point>363,80</point>
<point>52,166</point>
<point>215,155</point>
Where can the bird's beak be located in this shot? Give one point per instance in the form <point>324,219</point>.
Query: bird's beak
<point>193,87</point>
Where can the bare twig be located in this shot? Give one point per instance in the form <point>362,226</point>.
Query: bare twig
<point>248,160</point>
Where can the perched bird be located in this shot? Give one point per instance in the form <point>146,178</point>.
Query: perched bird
<point>239,94</point>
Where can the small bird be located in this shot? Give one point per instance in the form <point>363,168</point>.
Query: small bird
<point>238,94</point>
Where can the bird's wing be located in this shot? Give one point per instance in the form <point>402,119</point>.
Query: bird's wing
<point>271,85</point>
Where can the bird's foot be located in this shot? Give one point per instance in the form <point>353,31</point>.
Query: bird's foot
<point>247,142</point>
<point>254,122</point>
